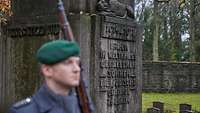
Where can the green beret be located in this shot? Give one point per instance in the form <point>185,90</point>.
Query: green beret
<point>56,51</point>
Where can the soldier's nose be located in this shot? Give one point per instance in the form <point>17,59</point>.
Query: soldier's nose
<point>77,68</point>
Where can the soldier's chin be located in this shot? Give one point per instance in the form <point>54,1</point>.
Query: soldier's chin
<point>76,84</point>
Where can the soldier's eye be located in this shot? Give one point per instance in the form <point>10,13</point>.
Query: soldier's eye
<point>67,62</point>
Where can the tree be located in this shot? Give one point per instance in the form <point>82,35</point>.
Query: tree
<point>5,10</point>
<point>171,29</point>
<point>148,34</point>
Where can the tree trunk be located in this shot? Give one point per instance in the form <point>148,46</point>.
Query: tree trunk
<point>177,37</point>
<point>177,32</point>
<point>156,32</point>
<point>166,55</point>
<point>192,32</point>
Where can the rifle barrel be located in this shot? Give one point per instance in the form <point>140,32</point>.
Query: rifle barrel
<point>64,23</point>
<point>68,35</point>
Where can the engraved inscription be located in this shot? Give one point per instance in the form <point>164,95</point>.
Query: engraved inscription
<point>34,30</point>
<point>117,64</point>
<point>118,31</point>
<point>116,55</point>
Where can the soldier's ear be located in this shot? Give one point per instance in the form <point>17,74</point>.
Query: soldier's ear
<point>46,70</point>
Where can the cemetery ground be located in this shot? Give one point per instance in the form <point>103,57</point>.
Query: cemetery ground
<point>171,100</point>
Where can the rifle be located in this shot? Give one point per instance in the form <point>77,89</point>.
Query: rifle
<point>68,35</point>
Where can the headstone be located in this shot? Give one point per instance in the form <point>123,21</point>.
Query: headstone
<point>186,111</point>
<point>159,105</point>
<point>185,108</point>
<point>153,110</point>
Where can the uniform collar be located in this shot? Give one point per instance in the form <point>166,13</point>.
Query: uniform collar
<point>42,99</point>
<point>46,99</point>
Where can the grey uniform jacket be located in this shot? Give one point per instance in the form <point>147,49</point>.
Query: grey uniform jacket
<point>45,101</point>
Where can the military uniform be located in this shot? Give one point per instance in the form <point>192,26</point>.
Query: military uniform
<point>45,101</point>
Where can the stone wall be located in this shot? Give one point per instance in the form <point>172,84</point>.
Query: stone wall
<point>171,76</point>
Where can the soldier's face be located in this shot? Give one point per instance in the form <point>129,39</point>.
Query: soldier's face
<point>67,72</point>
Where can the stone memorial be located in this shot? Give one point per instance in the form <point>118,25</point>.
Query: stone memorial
<point>110,42</point>
<point>116,65</point>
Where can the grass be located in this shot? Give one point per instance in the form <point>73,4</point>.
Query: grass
<point>171,100</point>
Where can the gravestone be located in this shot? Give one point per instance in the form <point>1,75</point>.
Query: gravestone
<point>153,110</point>
<point>186,111</point>
<point>185,108</point>
<point>159,105</point>
<point>111,50</point>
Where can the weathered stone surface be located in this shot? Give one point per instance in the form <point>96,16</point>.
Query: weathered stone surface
<point>24,66</point>
<point>120,8</point>
<point>18,70</point>
<point>40,11</point>
<point>35,11</point>
<point>4,80</point>
<point>171,76</point>
<point>117,58</point>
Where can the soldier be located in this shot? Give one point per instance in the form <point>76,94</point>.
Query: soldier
<point>61,70</point>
